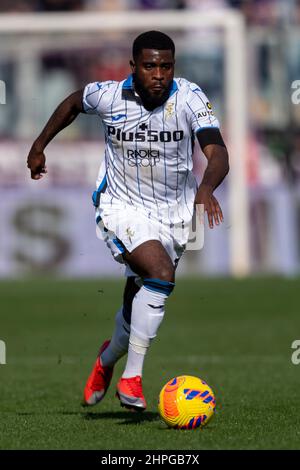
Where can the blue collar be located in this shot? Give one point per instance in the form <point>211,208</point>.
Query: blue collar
<point>128,85</point>
<point>174,88</point>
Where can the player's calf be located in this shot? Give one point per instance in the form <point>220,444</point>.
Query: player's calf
<point>148,308</point>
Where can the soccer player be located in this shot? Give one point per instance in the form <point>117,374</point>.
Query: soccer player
<point>146,193</point>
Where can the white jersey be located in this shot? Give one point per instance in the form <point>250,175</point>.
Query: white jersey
<point>148,155</point>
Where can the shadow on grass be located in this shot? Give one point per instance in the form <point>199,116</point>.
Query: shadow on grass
<point>121,418</point>
<point>128,417</point>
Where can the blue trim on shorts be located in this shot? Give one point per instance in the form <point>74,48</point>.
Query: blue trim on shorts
<point>98,220</point>
<point>119,245</point>
<point>101,189</point>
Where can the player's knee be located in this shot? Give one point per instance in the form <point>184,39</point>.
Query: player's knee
<point>161,279</point>
<point>164,272</point>
<point>167,273</point>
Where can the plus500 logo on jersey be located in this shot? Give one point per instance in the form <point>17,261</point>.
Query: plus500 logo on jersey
<point>146,136</point>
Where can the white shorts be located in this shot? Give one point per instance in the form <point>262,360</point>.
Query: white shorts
<point>125,227</point>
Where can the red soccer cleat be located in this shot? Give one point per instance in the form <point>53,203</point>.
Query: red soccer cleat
<point>98,381</point>
<point>130,393</point>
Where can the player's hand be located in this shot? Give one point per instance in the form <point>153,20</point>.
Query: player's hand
<point>211,205</point>
<point>36,162</point>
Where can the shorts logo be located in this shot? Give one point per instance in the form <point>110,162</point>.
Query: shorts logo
<point>130,234</point>
<point>142,157</point>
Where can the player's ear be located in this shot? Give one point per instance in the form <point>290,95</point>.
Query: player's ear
<point>132,65</point>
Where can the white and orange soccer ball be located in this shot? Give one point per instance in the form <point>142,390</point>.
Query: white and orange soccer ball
<point>186,402</point>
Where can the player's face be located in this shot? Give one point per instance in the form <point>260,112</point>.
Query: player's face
<point>153,74</point>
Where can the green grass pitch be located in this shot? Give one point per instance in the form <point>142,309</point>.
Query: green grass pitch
<point>236,335</point>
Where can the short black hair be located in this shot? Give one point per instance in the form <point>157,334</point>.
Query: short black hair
<point>152,40</point>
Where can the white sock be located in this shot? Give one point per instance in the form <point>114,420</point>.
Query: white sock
<point>148,308</point>
<point>118,345</point>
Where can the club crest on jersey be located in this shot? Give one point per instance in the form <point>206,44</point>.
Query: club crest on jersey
<point>169,110</point>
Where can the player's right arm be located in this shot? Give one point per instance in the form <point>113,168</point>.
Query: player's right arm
<point>62,117</point>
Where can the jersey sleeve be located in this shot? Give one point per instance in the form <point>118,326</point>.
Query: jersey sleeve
<point>199,110</point>
<point>92,98</point>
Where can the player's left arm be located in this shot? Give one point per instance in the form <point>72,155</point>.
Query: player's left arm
<point>214,149</point>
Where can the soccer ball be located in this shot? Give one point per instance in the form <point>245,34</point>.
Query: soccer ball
<point>186,402</point>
